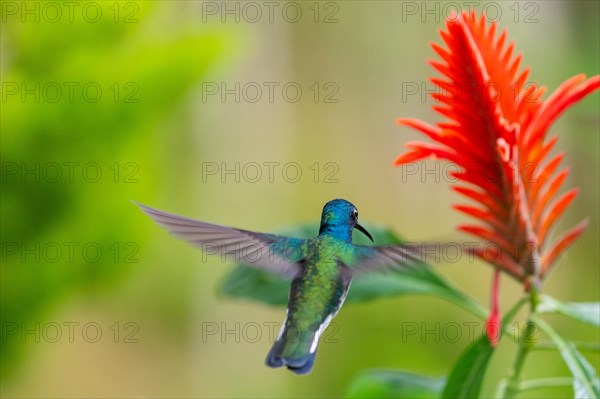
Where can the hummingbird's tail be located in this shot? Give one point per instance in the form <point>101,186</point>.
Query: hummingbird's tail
<point>296,349</point>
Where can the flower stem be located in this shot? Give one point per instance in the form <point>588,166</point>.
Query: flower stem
<point>581,346</point>
<point>541,383</point>
<point>511,386</point>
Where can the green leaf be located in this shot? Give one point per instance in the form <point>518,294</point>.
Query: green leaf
<point>422,280</point>
<point>588,312</point>
<point>466,377</point>
<point>585,383</point>
<point>394,384</point>
<point>251,283</point>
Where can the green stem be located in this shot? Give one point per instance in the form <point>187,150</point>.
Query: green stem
<point>511,386</point>
<point>583,346</point>
<point>541,383</point>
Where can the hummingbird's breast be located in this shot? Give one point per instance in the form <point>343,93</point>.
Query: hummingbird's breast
<point>319,291</point>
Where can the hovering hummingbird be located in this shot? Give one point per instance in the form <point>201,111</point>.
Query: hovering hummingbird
<point>321,269</point>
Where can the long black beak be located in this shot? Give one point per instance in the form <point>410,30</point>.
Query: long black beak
<point>364,231</point>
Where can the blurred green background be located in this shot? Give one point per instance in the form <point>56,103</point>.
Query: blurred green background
<point>126,89</point>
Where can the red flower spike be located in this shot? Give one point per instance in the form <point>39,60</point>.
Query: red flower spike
<point>495,131</point>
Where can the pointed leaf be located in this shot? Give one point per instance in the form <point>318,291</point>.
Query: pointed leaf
<point>586,383</point>
<point>394,384</point>
<point>588,312</point>
<point>466,377</point>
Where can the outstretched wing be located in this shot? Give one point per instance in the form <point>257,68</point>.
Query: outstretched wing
<point>270,252</point>
<point>384,257</point>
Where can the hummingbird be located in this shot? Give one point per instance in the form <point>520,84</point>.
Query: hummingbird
<point>320,268</point>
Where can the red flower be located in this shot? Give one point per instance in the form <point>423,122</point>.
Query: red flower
<point>496,131</point>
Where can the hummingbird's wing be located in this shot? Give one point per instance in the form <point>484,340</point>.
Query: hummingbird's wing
<point>281,255</point>
<point>382,257</point>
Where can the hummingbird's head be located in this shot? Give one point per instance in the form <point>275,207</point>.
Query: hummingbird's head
<point>339,218</point>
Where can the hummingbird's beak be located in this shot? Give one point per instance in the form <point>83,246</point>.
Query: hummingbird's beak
<point>364,231</point>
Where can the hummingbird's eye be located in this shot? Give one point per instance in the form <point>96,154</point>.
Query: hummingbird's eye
<point>355,214</point>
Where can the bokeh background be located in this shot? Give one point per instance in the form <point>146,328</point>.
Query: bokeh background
<point>158,133</point>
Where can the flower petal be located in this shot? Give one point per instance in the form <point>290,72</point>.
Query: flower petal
<point>555,211</point>
<point>561,244</point>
